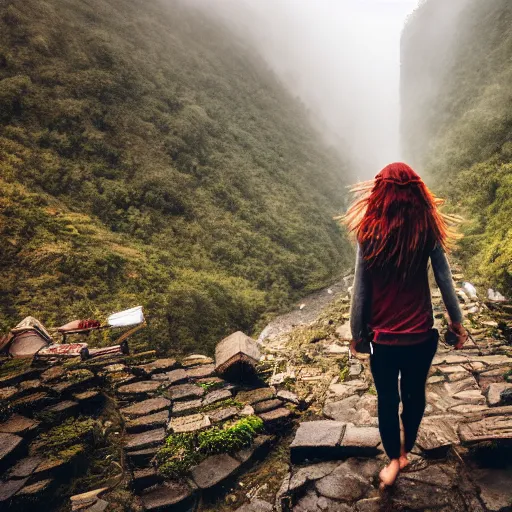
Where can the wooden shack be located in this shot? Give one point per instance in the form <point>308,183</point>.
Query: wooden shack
<point>236,357</point>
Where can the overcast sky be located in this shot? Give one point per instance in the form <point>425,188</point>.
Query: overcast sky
<point>342,57</point>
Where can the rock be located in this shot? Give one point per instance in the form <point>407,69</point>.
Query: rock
<point>168,497</point>
<point>343,332</point>
<point>309,473</point>
<point>8,392</point>
<point>495,485</point>
<point>142,458</point>
<point>256,505</point>
<point>9,488</point>
<point>452,388</point>
<point>61,410</point>
<point>173,377</point>
<point>437,432</point>
<point>254,396</point>
<point>494,393</point>
<point>468,408</point>
<point>86,499</point>
<point>149,422</point>
<point>191,423</point>
<point>25,467</point>
<point>316,440</point>
<point>145,439</point>
<point>214,470</point>
<point>53,373</point>
<point>259,447</point>
<point>158,366</point>
<point>17,424</point>
<point>200,372</point>
<point>410,495</point>
<point>144,478</point>
<point>10,446</point>
<point>184,408</point>
<point>471,396</point>
<point>335,350</point>
<point>311,502</point>
<point>494,428</point>
<point>247,411</point>
<point>113,368</point>
<point>31,403</point>
<point>271,418</point>
<point>438,475</point>
<point>143,388</point>
<point>342,484</point>
<point>288,396</point>
<point>196,359</point>
<point>36,490</point>
<point>359,441</point>
<point>267,405</point>
<point>506,396</point>
<point>222,414</point>
<point>88,397</point>
<point>369,505</point>
<point>216,396</point>
<point>184,391</point>
<point>146,407</point>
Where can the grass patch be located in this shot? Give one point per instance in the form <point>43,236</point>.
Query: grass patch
<point>71,432</point>
<point>182,451</point>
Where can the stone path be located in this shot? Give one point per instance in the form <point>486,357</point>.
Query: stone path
<point>336,453</point>
<point>61,421</point>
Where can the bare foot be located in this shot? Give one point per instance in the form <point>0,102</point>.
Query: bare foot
<point>389,473</point>
<point>403,460</point>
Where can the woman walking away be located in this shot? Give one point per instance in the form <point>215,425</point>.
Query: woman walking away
<point>399,229</point>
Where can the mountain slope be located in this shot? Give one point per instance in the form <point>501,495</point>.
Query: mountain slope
<point>457,121</point>
<point>148,156</point>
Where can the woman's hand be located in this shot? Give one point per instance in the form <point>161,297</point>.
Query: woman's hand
<point>461,333</point>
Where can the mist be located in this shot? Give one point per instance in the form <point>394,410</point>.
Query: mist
<point>341,58</point>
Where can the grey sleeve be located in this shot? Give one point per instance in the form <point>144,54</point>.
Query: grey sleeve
<point>443,276</point>
<point>360,298</point>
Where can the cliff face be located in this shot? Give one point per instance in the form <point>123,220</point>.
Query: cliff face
<point>149,156</point>
<point>457,120</point>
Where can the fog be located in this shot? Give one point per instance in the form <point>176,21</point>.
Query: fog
<point>342,58</point>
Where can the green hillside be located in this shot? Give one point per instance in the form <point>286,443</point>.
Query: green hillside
<point>147,156</point>
<point>457,121</point>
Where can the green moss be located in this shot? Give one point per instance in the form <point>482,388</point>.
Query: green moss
<point>182,451</point>
<point>209,386</point>
<point>372,390</point>
<point>230,439</point>
<point>344,373</point>
<point>229,402</point>
<point>71,432</point>
<point>10,366</point>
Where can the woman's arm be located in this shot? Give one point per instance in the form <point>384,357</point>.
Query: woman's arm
<point>360,299</point>
<point>443,276</point>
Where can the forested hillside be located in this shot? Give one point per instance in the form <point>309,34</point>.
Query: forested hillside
<point>147,156</point>
<point>456,93</point>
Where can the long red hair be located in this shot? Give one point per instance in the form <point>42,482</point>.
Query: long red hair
<point>396,219</point>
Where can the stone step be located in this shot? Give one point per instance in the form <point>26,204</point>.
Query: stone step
<point>333,440</point>
<point>149,439</point>
<point>141,389</point>
<point>12,449</point>
<point>146,407</point>
<point>169,497</point>
<point>144,478</point>
<point>149,422</point>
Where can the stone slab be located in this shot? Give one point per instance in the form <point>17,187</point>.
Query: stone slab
<point>256,505</point>
<point>270,418</point>
<point>146,407</point>
<point>172,377</point>
<point>223,414</point>
<point>145,387</point>
<point>9,488</point>
<point>288,396</point>
<point>158,366</point>
<point>9,446</point>
<point>493,428</point>
<point>168,497</point>
<point>438,432</point>
<point>494,393</point>
<point>200,372</point>
<point>149,422</point>
<point>25,467</point>
<point>184,392</point>
<point>191,423</point>
<point>144,478</point>
<point>18,424</point>
<point>185,408</point>
<point>258,448</point>
<point>317,440</point>
<point>216,396</point>
<point>267,405</point>
<point>255,395</point>
<point>196,359</point>
<point>145,439</point>
<point>36,490</point>
<point>214,470</point>
<point>343,484</point>
<point>360,441</point>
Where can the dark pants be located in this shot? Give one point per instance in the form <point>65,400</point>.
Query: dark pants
<point>413,362</point>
